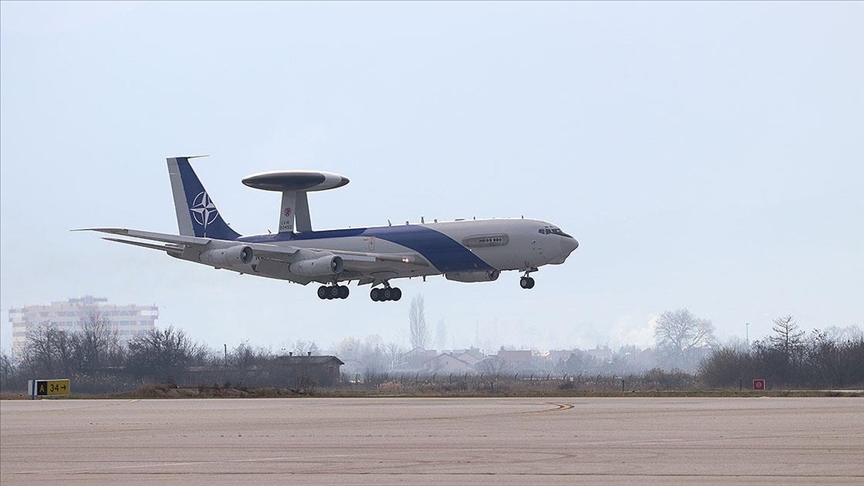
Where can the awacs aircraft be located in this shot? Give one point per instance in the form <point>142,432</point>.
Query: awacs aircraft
<point>464,251</point>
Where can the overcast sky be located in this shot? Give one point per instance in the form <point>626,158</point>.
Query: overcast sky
<point>705,155</point>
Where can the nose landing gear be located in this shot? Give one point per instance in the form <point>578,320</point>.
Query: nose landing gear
<point>526,282</point>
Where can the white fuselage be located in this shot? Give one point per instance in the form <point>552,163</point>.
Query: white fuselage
<point>457,248</point>
<point>461,250</point>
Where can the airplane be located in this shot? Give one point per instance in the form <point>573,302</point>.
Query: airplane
<point>476,250</point>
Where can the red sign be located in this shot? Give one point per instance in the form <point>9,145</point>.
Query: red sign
<point>759,384</point>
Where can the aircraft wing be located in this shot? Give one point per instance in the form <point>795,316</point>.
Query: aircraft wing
<point>152,236</point>
<point>359,264</point>
<point>179,242</point>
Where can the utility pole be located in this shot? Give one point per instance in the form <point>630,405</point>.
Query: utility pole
<point>747,333</point>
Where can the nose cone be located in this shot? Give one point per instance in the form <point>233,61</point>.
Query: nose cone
<point>567,246</point>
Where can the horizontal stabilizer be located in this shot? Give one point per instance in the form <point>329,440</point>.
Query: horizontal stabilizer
<point>149,235</point>
<point>152,246</point>
<point>170,249</point>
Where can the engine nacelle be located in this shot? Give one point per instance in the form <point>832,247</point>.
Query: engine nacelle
<point>318,267</point>
<point>469,277</point>
<point>232,255</point>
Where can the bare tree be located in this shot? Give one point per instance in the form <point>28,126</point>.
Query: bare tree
<point>787,338</point>
<point>48,351</point>
<point>728,366</point>
<point>302,348</point>
<point>96,344</point>
<point>7,370</point>
<point>246,357</point>
<point>394,354</point>
<point>417,322</point>
<point>492,365</point>
<point>349,349</point>
<point>370,354</point>
<point>163,355</point>
<point>373,354</point>
<point>682,338</point>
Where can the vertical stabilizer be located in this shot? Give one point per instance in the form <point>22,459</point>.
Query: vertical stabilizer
<point>196,213</point>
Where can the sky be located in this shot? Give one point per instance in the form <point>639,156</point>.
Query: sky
<point>707,156</point>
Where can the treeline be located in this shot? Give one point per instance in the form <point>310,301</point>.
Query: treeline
<point>96,361</point>
<point>94,358</point>
<point>789,359</point>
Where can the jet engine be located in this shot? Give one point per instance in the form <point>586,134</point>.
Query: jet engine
<point>479,276</point>
<point>232,255</point>
<point>318,267</point>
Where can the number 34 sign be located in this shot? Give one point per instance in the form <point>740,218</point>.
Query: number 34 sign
<point>47,388</point>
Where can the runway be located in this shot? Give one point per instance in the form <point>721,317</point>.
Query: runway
<point>434,441</point>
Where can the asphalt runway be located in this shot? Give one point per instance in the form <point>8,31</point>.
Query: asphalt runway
<point>434,441</point>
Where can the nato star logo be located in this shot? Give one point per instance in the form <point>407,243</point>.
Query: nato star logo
<point>203,209</point>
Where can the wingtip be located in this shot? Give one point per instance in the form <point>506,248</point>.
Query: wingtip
<point>187,157</point>
<point>116,231</point>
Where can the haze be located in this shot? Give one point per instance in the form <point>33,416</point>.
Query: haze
<point>707,156</point>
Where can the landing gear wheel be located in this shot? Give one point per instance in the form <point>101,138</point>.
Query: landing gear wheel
<point>385,294</point>
<point>526,282</point>
<point>333,292</point>
<point>322,292</point>
<point>343,292</point>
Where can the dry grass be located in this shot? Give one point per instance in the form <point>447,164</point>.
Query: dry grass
<point>457,391</point>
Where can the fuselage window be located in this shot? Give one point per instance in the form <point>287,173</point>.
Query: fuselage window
<point>483,241</point>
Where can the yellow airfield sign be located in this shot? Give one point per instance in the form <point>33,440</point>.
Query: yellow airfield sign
<point>49,388</point>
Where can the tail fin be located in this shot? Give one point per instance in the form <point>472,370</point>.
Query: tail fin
<point>196,213</point>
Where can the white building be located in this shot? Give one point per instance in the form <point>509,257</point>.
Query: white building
<point>129,320</point>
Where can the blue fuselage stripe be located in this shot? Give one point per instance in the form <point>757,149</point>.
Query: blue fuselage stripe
<point>446,254</point>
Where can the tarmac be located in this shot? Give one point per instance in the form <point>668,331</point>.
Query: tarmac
<point>434,441</point>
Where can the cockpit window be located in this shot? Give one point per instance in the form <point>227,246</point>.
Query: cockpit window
<point>551,230</point>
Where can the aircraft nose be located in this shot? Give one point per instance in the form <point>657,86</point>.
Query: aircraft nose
<point>568,245</point>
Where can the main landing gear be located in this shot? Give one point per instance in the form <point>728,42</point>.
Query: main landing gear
<point>527,282</point>
<point>332,292</point>
<point>385,294</point>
